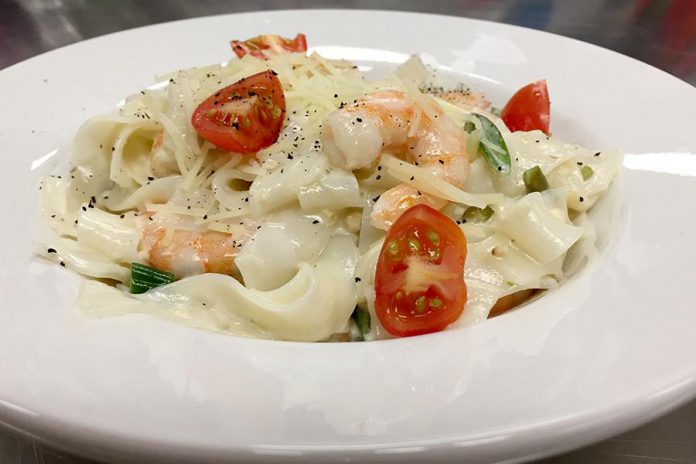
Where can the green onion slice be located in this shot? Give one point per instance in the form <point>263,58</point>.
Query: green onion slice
<point>362,320</point>
<point>586,172</point>
<point>474,214</point>
<point>493,147</point>
<point>535,180</point>
<point>144,278</point>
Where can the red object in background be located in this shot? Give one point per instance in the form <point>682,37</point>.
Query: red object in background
<point>675,29</point>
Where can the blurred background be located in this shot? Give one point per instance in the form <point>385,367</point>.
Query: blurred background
<point>659,32</point>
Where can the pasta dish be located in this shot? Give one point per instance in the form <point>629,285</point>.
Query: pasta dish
<point>284,195</point>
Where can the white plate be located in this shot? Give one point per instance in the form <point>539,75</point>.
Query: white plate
<point>612,348</point>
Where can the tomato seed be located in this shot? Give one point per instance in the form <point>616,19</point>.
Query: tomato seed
<point>435,303</point>
<point>420,304</point>
<point>433,236</point>
<point>414,244</point>
<point>392,247</point>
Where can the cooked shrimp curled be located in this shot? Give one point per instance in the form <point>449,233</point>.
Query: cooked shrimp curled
<point>186,250</point>
<point>388,121</point>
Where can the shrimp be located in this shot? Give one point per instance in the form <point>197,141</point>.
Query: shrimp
<point>184,251</point>
<point>356,135</point>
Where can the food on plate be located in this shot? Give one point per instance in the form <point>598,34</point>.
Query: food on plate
<point>264,46</point>
<point>244,117</point>
<point>419,282</point>
<point>528,109</point>
<point>285,195</point>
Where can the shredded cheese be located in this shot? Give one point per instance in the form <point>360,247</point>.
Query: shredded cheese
<point>428,183</point>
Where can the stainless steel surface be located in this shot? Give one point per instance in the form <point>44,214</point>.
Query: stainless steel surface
<point>659,32</point>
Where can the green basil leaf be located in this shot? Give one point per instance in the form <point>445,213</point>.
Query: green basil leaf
<point>492,146</point>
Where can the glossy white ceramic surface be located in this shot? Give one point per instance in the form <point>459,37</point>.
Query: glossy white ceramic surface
<point>613,347</point>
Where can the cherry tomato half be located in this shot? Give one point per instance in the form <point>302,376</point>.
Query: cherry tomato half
<point>419,283</point>
<point>245,116</point>
<point>265,45</point>
<point>529,109</point>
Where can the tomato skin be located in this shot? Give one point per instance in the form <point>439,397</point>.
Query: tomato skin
<point>263,46</point>
<point>412,277</point>
<point>529,109</point>
<point>244,117</point>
